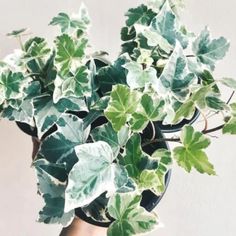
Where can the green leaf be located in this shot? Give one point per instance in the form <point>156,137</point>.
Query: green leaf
<point>150,110</point>
<point>123,103</point>
<point>112,75</point>
<point>86,182</point>
<point>186,110</point>
<point>48,113</point>
<point>138,77</point>
<point>176,77</point>
<point>69,51</point>
<point>107,134</point>
<point>59,146</point>
<point>191,154</point>
<point>130,217</point>
<point>141,15</point>
<point>209,51</point>
<point>17,33</point>
<point>230,126</point>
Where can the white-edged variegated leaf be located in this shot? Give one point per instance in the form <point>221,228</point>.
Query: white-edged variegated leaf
<point>94,174</point>
<point>155,179</point>
<point>155,39</point>
<point>210,51</point>
<point>77,85</point>
<point>47,113</point>
<point>176,78</point>
<point>23,114</point>
<point>97,209</point>
<point>130,218</point>
<point>138,77</point>
<point>70,24</point>
<point>53,212</point>
<point>166,24</point>
<point>59,146</point>
<point>150,109</point>
<point>52,180</point>
<point>107,134</point>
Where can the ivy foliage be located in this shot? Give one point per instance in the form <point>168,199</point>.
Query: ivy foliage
<point>94,118</point>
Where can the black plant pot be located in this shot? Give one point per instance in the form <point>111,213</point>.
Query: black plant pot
<point>179,126</point>
<point>149,199</point>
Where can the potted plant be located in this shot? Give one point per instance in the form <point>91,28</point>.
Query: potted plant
<point>103,155</point>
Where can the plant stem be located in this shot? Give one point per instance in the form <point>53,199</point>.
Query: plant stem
<point>177,140</point>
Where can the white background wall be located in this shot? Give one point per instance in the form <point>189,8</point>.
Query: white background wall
<point>194,205</point>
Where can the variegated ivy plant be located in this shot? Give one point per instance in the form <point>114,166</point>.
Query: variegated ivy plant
<point>163,75</point>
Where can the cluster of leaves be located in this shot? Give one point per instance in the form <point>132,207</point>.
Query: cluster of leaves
<point>104,169</point>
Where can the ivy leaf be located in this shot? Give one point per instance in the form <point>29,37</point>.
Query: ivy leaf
<point>215,103</point>
<point>229,82</point>
<point>65,22</point>
<point>48,113</point>
<point>230,126</point>
<point>68,24</point>
<point>24,113</point>
<point>209,51</point>
<point>107,134</point>
<point>97,209</point>
<point>11,85</point>
<point>76,85</point>
<point>127,33</point>
<point>150,110</point>
<point>36,48</point>
<point>69,51</point>
<point>155,39</point>
<point>176,78</point>
<point>51,185</point>
<point>138,77</point>
<point>166,25</point>
<point>123,102</point>
<point>191,154</point>
<point>130,217</point>
<point>141,15</point>
<point>86,182</point>
<point>17,33</point>
<point>59,146</point>
<point>112,75</point>
<point>135,160</point>
<point>208,79</point>
<point>155,179</point>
